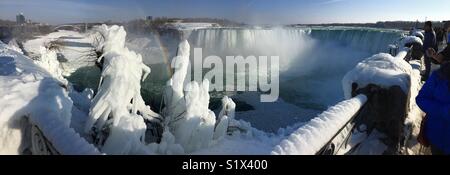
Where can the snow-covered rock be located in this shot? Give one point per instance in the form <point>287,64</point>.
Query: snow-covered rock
<point>381,69</point>
<point>419,34</point>
<point>411,40</point>
<point>74,48</point>
<point>385,71</point>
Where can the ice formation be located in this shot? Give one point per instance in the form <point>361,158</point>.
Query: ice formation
<point>119,105</point>
<point>30,94</point>
<point>118,96</point>
<point>310,138</point>
<point>49,62</point>
<point>186,113</point>
<point>225,116</point>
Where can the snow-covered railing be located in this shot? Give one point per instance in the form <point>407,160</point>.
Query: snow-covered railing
<point>53,135</point>
<point>312,137</point>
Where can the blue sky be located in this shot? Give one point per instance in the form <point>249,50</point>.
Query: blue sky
<point>250,11</point>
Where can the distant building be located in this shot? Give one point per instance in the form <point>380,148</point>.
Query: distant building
<point>149,18</point>
<point>20,19</point>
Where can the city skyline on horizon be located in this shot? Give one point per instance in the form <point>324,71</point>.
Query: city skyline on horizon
<point>246,11</point>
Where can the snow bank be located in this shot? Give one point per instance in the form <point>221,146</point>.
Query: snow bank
<point>74,51</point>
<point>382,69</point>
<point>310,138</point>
<point>414,114</point>
<point>27,90</point>
<point>192,26</point>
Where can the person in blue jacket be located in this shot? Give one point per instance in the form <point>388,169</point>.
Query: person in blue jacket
<point>434,100</point>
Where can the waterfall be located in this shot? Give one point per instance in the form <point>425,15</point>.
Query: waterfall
<point>364,39</point>
<point>239,39</point>
<point>287,43</point>
<point>292,45</point>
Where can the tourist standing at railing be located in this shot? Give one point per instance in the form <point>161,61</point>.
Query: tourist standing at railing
<point>445,54</point>
<point>440,38</point>
<point>434,100</point>
<point>429,42</point>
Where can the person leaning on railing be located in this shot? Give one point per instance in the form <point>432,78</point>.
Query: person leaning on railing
<point>429,42</point>
<point>445,54</point>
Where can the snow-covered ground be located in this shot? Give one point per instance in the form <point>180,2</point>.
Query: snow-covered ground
<point>191,26</point>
